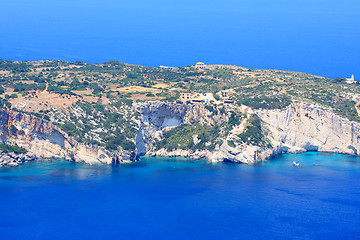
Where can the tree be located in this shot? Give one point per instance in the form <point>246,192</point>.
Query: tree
<point>339,80</point>
<point>13,130</point>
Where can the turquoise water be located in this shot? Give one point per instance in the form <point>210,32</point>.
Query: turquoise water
<point>181,199</point>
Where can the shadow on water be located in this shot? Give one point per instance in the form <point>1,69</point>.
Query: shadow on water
<point>291,192</point>
<point>139,164</point>
<point>20,178</point>
<point>342,202</point>
<point>175,169</point>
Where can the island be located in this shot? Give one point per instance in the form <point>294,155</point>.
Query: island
<point>115,112</point>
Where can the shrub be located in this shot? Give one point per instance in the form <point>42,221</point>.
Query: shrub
<point>231,143</point>
<point>13,130</point>
<point>71,129</point>
<point>12,148</point>
<point>253,133</point>
<point>181,137</point>
<point>275,102</point>
<point>234,119</point>
<point>21,132</point>
<point>116,141</point>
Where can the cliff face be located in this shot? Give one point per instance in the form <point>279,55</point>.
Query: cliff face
<point>296,128</point>
<point>46,140</point>
<point>299,127</point>
<point>158,116</point>
<point>304,127</point>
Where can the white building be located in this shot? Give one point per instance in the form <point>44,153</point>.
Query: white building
<point>351,80</point>
<point>200,65</point>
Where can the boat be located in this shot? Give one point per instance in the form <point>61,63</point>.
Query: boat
<point>296,164</point>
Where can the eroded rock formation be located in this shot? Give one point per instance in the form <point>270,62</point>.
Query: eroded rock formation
<point>305,127</point>
<point>296,128</point>
<point>46,140</point>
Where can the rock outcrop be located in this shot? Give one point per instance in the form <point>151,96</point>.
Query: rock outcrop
<point>305,127</point>
<point>157,116</point>
<point>12,159</point>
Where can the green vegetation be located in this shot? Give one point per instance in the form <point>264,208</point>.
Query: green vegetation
<point>4,103</point>
<point>274,102</point>
<point>59,90</point>
<point>6,148</point>
<point>182,137</point>
<point>22,87</point>
<point>270,89</point>
<point>254,134</point>
<point>13,130</point>
<point>231,143</point>
<point>114,142</point>
<point>71,129</point>
<point>14,67</point>
<point>234,119</point>
<point>96,99</point>
<point>95,118</point>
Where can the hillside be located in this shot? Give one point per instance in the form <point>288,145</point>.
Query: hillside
<point>198,112</point>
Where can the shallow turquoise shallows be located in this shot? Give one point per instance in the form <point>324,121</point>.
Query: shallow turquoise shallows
<point>182,199</point>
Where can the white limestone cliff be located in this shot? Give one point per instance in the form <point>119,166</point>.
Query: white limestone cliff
<point>306,127</point>
<point>296,128</point>
<point>46,140</point>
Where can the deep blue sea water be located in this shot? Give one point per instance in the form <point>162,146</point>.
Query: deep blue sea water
<point>320,37</point>
<point>182,199</point>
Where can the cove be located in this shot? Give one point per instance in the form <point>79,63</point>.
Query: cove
<point>181,199</point>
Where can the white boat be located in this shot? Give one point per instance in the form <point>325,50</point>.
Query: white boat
<point>296,164</point>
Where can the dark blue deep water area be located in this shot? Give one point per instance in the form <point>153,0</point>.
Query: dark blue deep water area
<point>182,199</point>
<point>319,37</point>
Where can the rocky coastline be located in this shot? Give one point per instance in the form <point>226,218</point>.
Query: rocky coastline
<point>297,128</point>
<point>13,159</point>
<point>300,127</point>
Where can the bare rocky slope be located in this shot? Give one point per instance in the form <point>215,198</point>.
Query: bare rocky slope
<point>296,128</point>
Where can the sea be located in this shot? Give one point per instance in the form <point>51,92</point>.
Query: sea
<point>179,198</point>
<point>319,37</point>
<point>159,198</point>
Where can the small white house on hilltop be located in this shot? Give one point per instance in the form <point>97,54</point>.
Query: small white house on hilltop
<point>200,65</point>
<point>351,80</point>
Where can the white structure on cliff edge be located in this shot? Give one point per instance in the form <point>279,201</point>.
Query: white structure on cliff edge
<point>351,80</point>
